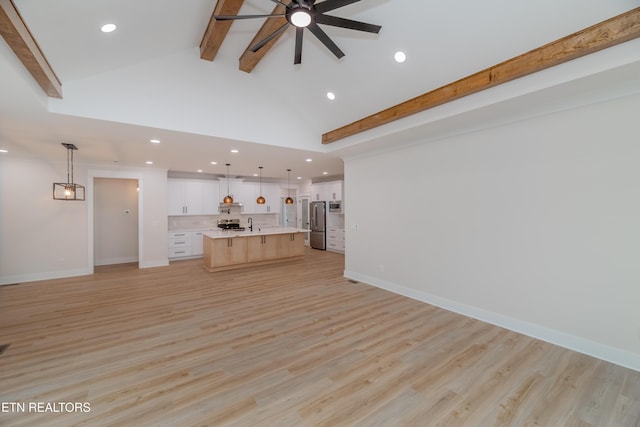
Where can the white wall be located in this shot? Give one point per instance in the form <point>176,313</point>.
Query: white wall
<point>39,237</point>
<point>534,226</point>
<point>193,84</point>
<point>42,238</point>
<point>152,212</point>
<point>115,221</point>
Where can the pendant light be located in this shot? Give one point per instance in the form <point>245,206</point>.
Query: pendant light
<point>68,190</point>
<point>228,199</point>
<point>288,200</point>
<point>261,200</point>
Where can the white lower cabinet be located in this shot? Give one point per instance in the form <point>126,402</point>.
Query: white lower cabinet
<point>335,239</point>
<point>185,244</point>
<point>196,243</point>
<point>179,244</point>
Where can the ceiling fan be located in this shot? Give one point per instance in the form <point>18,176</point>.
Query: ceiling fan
<point>303,14</point>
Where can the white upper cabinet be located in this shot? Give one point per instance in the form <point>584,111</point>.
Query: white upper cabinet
<point>211,197</point>
<point>192,197</point>
<point>334,190</point>
<point>318,192</point>
<point>185,197</point>
<point>202,197</point>
<point>246,193</point>
<point>175,197</point>
<point>327,191</point>
<point>271,192</point>
<point>193,191</point>
<point>242,192</point>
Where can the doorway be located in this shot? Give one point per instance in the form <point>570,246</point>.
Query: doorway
<point>289,213</point>
<point>115,221</point>
<point>304,218</point>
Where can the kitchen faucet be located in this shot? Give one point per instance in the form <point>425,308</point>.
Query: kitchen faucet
<point>250,221</point>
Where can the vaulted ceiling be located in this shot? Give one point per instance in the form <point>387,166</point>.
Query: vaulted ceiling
<point>171,72</point>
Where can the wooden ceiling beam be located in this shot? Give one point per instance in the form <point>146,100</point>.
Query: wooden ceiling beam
<point>249,60</point>
<point>606,34</point>
<point>19,38</point>
<point>217,30</point>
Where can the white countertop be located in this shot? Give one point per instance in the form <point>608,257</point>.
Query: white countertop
<point>220,234</point>
<point>190,229</point>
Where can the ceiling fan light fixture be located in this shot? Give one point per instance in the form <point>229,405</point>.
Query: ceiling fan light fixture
<point>300,18</point>
<point>303,14</point>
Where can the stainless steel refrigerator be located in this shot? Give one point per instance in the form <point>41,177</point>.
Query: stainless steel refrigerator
<point>318,239</point>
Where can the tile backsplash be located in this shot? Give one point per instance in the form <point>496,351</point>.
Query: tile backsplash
<point>204,222</point>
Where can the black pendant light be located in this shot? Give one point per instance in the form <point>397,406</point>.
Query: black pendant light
<point>228,199</point>
<point>68,190</point>
<point>288,200</point>
<point>261,200</point>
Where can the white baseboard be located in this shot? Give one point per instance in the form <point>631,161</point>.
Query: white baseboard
<point>582,345</point>
<point>152,264</point>
<point>22,278</point>
<point>112,261</point>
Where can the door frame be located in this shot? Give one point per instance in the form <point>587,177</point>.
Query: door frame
<point>90,205</point>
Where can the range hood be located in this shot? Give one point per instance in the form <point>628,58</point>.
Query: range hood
<point>226,207</point>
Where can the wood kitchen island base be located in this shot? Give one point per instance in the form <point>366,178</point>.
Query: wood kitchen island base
<point>226,251</point>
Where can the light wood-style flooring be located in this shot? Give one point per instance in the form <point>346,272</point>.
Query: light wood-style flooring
<point>283,345</point>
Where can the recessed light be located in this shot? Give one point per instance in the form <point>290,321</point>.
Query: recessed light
<point>234,151</point>
<point>154,141</point>
<point>255,174</point>
<point>214,163</point>
<point>107,28</point>
<point>199,171</point>
<point>400,56</point>
<point>331,95</point>
<point>299,177</point>
<point>325,173</point>
<point>4,151</point>
<point>309,160</point>
<point>149,162</point>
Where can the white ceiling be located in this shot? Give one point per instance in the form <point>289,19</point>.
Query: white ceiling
<point>146,79</point>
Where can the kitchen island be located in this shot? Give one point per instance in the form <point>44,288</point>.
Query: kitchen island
<point>230,249</point>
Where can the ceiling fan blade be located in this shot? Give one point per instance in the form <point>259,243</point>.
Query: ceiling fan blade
<point>328,5</point>
<point>231,17</point>
<point>270,37</point>
<point>279,2</point>
<point>297,59</point>
<point>347,23</point>
<point>324,38</point>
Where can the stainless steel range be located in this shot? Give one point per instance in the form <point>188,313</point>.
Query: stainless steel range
<point>230,224</point>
